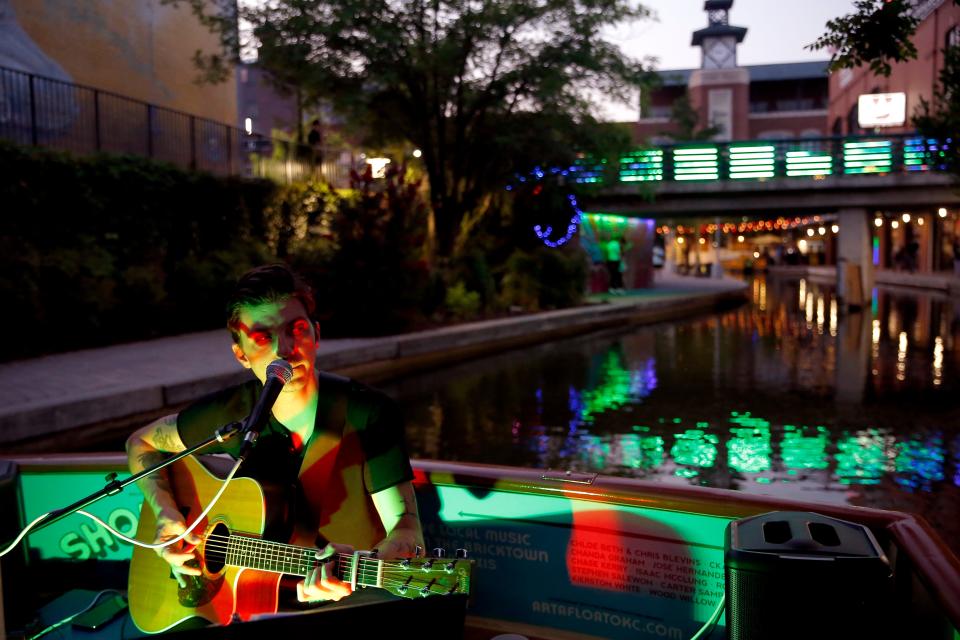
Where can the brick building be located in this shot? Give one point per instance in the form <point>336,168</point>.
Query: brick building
<point>768,101</point>
<point>939,27</point>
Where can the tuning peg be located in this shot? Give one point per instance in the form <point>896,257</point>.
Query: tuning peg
<point>439,552</point>
<point>418,552</point>
<point>461,553</point>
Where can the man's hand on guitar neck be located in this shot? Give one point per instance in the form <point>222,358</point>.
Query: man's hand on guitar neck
<point>322,583</point>
<point>179,554</point>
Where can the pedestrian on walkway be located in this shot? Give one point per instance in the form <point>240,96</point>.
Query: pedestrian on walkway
<point>332,448</point>
<point>613,252</point>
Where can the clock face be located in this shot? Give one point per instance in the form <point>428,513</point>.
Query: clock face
<point>720,54</point>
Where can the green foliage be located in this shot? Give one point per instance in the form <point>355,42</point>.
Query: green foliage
<point>940,117</point>
<point>876,34</point>
<point>106,249</point>
<point>480,87</point>
<point>686,119</point>
<point>461,303</point>
<point>372,279</point>
<point>544,278</point>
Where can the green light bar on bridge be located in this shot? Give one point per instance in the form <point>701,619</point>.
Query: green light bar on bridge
<point>642,166</point>
<point>699,163</point>
<point>808,163</point>
<point>873,156</point>
<point>752,162</point>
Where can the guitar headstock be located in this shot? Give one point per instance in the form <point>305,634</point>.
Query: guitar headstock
<point>422,577</point>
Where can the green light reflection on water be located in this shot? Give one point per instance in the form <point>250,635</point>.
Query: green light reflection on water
<point>748,448</point>
<point>862,458</point>
<point>612,392</point>
<point>801,451</point>
<point>694,448</point>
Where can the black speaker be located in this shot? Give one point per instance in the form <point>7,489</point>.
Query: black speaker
<point>797,574</point>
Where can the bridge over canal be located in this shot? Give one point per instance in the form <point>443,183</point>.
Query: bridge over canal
<point>853,178</point>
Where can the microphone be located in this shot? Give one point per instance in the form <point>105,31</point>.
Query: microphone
<point>279,373</point>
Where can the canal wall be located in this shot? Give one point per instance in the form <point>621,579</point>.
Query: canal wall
<point>117,387</point>
<point>945,282</point>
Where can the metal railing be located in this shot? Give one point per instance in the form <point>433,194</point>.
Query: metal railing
<point>811,158</point>
<point>40,111</point>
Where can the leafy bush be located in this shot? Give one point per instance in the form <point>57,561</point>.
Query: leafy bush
<point>544,278</point>
<point>105,249</point>
<point>461,303</point>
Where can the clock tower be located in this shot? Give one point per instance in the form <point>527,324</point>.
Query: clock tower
<point>719,40</point>
<point>719,89</point>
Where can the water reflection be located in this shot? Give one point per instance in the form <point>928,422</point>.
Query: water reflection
<point>785,396</point>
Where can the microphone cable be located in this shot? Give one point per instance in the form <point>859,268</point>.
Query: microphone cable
<point>128,539</point>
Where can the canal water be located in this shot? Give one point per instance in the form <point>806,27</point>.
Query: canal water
<point>782,396</point>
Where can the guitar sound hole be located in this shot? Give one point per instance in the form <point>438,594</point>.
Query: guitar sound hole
<point>214,550</point>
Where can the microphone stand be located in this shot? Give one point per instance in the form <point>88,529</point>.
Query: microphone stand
<point>115,486</point>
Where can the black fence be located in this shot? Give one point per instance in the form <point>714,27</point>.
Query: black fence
<point>40,111</point>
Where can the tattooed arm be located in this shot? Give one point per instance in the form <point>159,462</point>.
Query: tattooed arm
<point>397,507</point>
<point>145,448</point>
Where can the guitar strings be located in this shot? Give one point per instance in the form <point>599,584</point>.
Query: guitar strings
<point>368,571</point>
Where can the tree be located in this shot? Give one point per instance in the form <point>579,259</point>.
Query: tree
<point>939,118</point>
<point>686,119</point>
<point>477,85</point>
<point>879,33</point>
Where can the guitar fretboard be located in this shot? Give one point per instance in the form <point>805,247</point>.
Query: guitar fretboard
<point>254,553</point>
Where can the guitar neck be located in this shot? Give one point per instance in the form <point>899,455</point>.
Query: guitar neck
<point>408,577</point>
<point>254,553</point>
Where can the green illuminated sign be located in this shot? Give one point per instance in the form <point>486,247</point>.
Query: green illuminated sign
<point>699,163</point>
<point>756,161</point>
<point>808,163</point>
<point>874,156</point>
<point>642,165</point>
<point>77,536</point>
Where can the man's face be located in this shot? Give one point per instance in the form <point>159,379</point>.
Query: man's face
<point>278,330</point>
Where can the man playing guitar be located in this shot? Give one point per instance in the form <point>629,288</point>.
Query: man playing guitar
<point>332,449</point>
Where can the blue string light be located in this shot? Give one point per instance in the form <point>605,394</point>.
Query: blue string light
<point>544,235</point>
<point>575,220</point>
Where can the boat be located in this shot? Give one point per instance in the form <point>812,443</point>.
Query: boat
<point>560,555</point>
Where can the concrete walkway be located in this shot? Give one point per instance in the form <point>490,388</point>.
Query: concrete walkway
<point>54,393</point>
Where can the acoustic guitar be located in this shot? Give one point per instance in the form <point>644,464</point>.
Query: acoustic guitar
<point>241,571</point>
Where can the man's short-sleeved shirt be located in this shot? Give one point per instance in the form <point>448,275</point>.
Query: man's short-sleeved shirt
<point>324,488</point>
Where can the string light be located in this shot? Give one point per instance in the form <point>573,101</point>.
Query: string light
<point>544,234</point>
<point>878,222</point>
<point>571,227</point>
<point>942,212</point>
<point>754,226</point>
